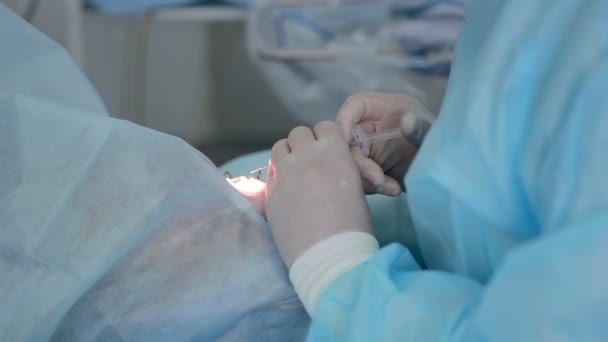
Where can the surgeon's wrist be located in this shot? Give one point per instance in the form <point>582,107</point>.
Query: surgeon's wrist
<point>317,269</point>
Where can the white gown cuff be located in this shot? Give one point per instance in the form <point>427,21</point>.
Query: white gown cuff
<point>315,270</point>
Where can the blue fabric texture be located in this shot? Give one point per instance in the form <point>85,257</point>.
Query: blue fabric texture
<point>114,232</point>
<point>508,194</point>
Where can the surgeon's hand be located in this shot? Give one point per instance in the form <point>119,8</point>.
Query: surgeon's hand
<point>383,170</point>
<point>313,190</point>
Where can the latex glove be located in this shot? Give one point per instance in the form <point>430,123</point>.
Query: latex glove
<point>313,190</point>
<point>383,170</point>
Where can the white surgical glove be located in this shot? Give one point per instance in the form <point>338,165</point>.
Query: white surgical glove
<point>313,190</point>
<point>383,170</point>
<point>315,203</point>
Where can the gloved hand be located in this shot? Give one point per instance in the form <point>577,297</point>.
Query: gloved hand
<point>313,190</point>
<point>383,170</point>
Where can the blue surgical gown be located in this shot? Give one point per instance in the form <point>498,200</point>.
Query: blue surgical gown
<point>509,193</point>
<point>113,232</point>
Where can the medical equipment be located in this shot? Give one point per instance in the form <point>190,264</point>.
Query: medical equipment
<point>365,140</point>
<point>257,173</point>
<point>315,54</point>
<point>253,174</point>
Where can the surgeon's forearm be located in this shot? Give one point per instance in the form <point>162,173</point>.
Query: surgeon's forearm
<point>319,267</point>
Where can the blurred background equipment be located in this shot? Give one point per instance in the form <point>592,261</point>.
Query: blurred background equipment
<point>232,77</point>
<point>316,53</point>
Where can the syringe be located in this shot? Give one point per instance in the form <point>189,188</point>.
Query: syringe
<point>364,141</point>
<point>419,128</point>
<point>417,125</point>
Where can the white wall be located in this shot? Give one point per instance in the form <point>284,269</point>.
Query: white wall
<point>193,80</point>
<point>198,84</point>
<point>59,19</point>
